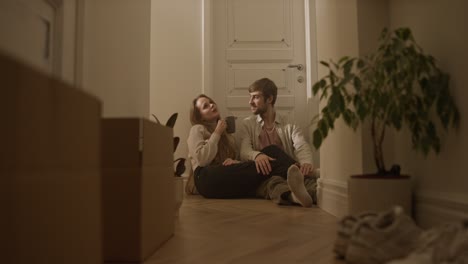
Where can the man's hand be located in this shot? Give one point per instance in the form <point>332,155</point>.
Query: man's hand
<point>262,162</point>
<point>230,161</point>
<point>306,168</point>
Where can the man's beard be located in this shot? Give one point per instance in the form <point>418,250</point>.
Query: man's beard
<point>259,111</point>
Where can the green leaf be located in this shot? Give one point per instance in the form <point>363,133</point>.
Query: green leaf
<point>325,64</point>
<point>347,67</point>
<point>180,166</point>
<point>404,33</point>
<point>324,94</point>
<point>317,139</point>
<point>323,126</point>
<point>345,58</point>
<point>347,118</point>
<point>315,88</point>
<point>361,111</point>
<point>171,121</point>
<point>341,103</point>
<point>336,103</point>
<point>431,130</point>
<point>323,83</point>
<point>350,119</point>
<point>360,64</point>
<point>384,33</point>
<point>357,83</point>
<point>328,117</point>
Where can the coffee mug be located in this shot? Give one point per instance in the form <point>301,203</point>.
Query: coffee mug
<point>231,124</point>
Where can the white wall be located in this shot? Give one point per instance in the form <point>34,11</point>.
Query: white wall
<point>116,55</point>
<point>372,18</point>
<point>441,181</point>
<point>176,62</point>
<point>340,154</point>
<point>144,57</point>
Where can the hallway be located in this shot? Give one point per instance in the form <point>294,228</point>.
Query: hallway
<point>248,231</point>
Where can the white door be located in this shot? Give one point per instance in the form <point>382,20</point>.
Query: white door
<point>255,39</point>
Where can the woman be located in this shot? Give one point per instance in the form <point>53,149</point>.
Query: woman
<point>217,172</point>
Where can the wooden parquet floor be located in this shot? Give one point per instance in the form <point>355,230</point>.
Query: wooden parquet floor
<point>248,231</point>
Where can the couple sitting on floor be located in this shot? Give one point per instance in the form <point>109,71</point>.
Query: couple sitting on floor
<point>276,160</point>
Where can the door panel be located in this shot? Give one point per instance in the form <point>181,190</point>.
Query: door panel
<point>255,39</point>
<point>27,31</point>
<point>259,30</point>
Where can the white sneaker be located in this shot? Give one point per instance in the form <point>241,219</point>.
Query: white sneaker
<point>299,192</point>
<point>346,226</point>
<point>422,254</point>
<point>452,245</point>
<point>447,243</point>
<point>391,235</point>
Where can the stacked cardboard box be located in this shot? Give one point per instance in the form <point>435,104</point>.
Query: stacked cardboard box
<point>138,188</point>
<point>50,169</point>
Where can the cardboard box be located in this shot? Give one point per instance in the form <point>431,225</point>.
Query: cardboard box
<point>50,169</point>
<point>138,188</point>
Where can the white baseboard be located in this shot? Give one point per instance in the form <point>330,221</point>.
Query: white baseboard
<point>432,208</point>
<point>333,197</point>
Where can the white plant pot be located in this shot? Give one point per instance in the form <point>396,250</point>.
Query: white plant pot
<point>379,193</point>
<point>179,193</point>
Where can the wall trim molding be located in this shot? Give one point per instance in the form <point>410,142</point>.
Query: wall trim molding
<point>432,207</point>
<point>333,196</point>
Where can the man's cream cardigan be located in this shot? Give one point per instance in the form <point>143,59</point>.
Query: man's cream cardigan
<point>290,134</point>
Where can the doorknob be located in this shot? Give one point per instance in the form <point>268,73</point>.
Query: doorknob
<point>298,66</point>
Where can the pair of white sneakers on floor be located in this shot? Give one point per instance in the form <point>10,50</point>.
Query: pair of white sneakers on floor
<point>392,237</point>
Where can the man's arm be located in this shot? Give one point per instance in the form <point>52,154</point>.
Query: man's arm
<point>247,151</point>
<point>302,150</point>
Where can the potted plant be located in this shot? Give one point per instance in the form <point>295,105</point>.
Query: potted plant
<point>179,164</point>
<point>397,85</point>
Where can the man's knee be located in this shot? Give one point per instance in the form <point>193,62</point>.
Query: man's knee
<point>271,149</point>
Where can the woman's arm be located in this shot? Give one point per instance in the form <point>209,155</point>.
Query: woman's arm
<point>201,146</point>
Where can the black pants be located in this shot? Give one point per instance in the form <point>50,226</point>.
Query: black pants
<point>239,180</point>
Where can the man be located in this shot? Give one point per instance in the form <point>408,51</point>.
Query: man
<point>266,128</point>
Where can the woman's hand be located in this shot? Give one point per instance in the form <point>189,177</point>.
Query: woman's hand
<point>220,127</point>
<point>230,161</point>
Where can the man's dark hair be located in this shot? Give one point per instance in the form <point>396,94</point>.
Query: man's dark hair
<point>267,87</point>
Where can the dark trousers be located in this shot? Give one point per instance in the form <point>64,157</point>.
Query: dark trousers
<point>239,180</point>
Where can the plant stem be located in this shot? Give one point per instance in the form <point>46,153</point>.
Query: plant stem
<point>378,155</point>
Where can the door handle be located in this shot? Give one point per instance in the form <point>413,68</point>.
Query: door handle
<point>298,66</point>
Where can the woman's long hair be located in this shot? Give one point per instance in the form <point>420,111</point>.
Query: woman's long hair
<point>226,144</point>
